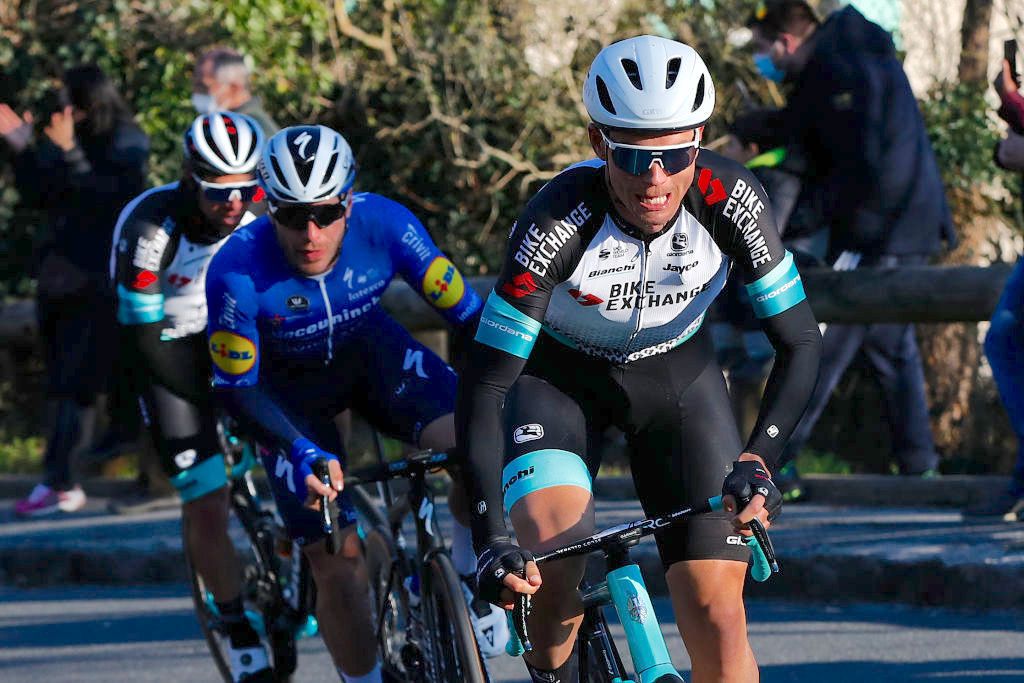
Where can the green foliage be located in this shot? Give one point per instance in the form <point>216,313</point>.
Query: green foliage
<point>810,461</point>
<point>963,135</point>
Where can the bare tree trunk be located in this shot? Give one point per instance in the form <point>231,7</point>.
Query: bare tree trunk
<point>974,35</point>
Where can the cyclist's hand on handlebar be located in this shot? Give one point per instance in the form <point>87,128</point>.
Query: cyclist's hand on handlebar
<point>749,492</point>
<point>500,571</point>
<point>307,485</point>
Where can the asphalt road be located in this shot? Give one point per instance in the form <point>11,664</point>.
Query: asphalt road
<point>148,634</point>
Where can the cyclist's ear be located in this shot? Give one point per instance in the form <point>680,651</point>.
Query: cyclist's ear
<point>597,141</point>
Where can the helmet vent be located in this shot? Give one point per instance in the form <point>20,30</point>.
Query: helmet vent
<point>672,72</point>
<point>699,98</point>
<point>633,72</point>
<point>606,99</point>
<point>278,171</point>
<point>329,171</point>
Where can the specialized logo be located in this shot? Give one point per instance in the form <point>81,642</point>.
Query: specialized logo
<point>301,142</point>
<point>185,459</point>
<point>711,187</point>
<point>144,279</point>
<point>518,476</point>
<point>414,359</point>
<point>283,470</point>
<point>520,286</point>
<point>297,302</point>
<point>442,283</point>
<point>585,299</point>
<point>232,353</point>
<point>530,432</point>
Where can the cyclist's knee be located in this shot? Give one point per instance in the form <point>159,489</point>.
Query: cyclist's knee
<point>554,516</point>
<point>710,593</point>
<point>209,508</point>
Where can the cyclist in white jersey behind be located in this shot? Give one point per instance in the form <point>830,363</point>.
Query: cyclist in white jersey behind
<point>163,244</point>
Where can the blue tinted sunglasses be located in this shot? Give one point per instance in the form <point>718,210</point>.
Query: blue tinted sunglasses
<point>297,216</point>
<point>638,159</point>
<point>246,191</point>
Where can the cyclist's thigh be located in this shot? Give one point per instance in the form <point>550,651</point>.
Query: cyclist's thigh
<point>405,385</point>
<point>681,454</point>
<point>185,434</point>
<point>546,479</point>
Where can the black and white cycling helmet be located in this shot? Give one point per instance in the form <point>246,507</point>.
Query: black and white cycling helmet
<point>223,143</point>
<point>306,164</point>
<point>649,83</point>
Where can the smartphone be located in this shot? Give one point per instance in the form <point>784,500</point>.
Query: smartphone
<point>1010,55</point>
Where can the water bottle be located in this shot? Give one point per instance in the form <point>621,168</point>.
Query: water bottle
<point>412,589</point>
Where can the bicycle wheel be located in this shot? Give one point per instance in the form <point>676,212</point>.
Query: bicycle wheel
<point>400,659</point>
<point>453,653</point>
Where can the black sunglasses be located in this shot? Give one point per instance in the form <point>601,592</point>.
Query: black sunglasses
<point>246,191</point>
<point>297,216</point>
<point>637,159</point>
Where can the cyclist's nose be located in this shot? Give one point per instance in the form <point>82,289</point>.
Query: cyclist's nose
<point>656,173</point>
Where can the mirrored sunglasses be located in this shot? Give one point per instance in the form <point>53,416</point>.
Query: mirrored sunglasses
<point>637,159</point>
<point>297,216</point>
<point>246,191</point>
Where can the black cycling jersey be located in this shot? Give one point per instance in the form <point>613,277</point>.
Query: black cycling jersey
<point>576,271</point>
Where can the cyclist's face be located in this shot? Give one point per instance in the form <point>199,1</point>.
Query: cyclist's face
<point>650,200</point>
<point>226,215</point>
<point>309,248</point>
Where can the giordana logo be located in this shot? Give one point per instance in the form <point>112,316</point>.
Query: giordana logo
<point>502,327</point>
<point>518,476</point>
<point>775,292</point>
<point>520,286</point>
<point>297,302</point>
<point>585,299</point>
<point>530,432</point>
<point>680,241</point>
<point>773,431</point>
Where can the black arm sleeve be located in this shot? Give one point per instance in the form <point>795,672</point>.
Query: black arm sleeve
<point>166,361</point>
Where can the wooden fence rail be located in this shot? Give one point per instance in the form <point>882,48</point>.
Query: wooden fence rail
<point>919,294</point>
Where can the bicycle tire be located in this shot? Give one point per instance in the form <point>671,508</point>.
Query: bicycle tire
<point>390,609</point>
<point>453,652</point>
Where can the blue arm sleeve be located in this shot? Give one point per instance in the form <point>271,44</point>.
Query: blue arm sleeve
<point>428,270</point>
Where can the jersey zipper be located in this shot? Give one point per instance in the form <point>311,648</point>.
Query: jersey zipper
<point>330,320</point>
<point>644,260</point>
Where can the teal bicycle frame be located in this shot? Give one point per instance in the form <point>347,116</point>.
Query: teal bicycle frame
<point>624,588</point>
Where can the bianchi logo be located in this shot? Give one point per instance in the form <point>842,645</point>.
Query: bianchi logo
<point>637,609</point>
<point>530,432</point>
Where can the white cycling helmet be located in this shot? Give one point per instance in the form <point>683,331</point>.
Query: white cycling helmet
<point>649,83</point>
<point>223,143</point>
<point>306,164</point>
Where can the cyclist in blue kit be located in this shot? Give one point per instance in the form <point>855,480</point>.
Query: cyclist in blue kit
<point>297,335</point>
<point>596,320</point>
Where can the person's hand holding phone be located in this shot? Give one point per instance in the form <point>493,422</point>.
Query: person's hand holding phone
<point>16,130</point>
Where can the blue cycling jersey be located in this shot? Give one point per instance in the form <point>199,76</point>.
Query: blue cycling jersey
<point>262,313</point>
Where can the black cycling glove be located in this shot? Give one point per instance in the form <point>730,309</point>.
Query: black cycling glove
<point>749,478</point>
<point>498,559</point>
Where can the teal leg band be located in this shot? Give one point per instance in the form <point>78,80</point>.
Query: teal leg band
<point>540,470</point>
<point>198,480</point>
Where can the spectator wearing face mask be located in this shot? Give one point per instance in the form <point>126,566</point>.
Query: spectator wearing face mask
<point>221,82</point>
<point>873,178</point>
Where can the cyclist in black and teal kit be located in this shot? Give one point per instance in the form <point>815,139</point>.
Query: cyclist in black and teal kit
<point>163,243</point>
<point>596,320</point>
<point>297,335</point>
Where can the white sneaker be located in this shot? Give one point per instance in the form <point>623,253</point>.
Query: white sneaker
<point>250,664</point>
<point>489,622</point>
<point>71,500</point>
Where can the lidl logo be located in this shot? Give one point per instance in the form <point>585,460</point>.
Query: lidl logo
<point>232,353</point>
<point>442,283</point>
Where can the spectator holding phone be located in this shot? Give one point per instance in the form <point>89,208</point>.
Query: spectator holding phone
<point>1004,343</point>
<point>88,162</point>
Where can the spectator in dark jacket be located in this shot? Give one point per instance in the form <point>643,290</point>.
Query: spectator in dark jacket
<point>876,184</point>
<point>1004,343</point>
<point>89,161</point>
<point>221,81</point>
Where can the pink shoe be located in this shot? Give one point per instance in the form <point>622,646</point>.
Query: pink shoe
<point>42,501</point>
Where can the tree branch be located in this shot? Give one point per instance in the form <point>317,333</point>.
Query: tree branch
<point>381,43</point>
